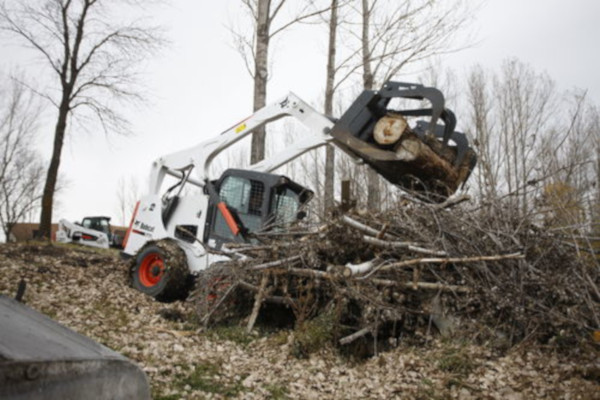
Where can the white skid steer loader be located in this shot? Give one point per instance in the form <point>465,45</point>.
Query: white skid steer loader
<point>169,232</point>
<point>92,231</point>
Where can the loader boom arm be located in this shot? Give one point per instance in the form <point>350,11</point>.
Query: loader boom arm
<point>201,156</point>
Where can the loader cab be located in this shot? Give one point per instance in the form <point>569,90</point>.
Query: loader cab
<point>101,224</point>
<point>259,202</point>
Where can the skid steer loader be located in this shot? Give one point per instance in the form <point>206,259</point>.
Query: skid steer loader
<point>170,235</point>
<point>92,231</point>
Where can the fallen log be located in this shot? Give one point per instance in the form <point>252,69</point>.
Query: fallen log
<point>356,335</point>
<point>257,302</point>
<point>316,274</point>
<point>365,228</point>
<point>274,264</point>
<point>357,269</point>
<point>403,245</point>
<point>421,285</point>
<point>417,261</point>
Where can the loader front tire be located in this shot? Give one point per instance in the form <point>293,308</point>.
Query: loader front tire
<point>160,270</point>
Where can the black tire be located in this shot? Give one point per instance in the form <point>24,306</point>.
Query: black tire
<point>160,270</point>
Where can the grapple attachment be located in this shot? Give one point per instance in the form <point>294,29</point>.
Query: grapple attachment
<point>429,159</point>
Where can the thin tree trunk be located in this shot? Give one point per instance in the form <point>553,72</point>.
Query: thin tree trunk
<point>368,78</point>
<point>261,73</point>
<point>373,194</point>
<point>45,228</point>
<point>329,92</point>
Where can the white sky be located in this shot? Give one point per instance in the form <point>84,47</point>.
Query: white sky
<point>199,85</point>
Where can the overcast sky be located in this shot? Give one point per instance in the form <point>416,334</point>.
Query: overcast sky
<point>199,86</point>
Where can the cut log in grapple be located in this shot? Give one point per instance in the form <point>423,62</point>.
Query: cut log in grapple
<point>428,158</point>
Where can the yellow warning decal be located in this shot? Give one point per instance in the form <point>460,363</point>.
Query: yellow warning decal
<point>240,128</point>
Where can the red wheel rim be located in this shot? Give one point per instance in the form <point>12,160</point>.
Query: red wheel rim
<point>151,270</point>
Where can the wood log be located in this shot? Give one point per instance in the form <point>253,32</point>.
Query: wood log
<point>421,285</point>
<point>427,159</point>
<point>358,334</point>
<point>274,264</point>
<point>417,261</point>
<point>257,302</point>
<point>365,228</point>
<point>403,245</point>
<point>357,269</point>
<point>365,331</point>
<point>411,162</point>
<point>311,273</point>
<point>452,201</point>
<point>389,129</point>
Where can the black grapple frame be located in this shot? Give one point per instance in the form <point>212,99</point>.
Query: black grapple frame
<point>354,132</point>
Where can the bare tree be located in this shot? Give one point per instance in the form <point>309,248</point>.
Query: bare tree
<point>481,120</point>
<point>21,171</point>
<point>537,148</point>
<point>254,49</point>
<point>570,158</point>
<point>93,53</point>
<point>328,108</point>
<point>526,110</point>
<point>128,194</point>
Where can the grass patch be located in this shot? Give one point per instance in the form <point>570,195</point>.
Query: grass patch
<point>116,315</point>
<point>277,392</point>
<point>157,396</point>
<point>425,390</point>
<point>314,335</point>
<point>456,360</point>
<point>49,312</point>
<point>279,338</point>
<point>79,247</point>
<point>233,333</point>
<point>206,378</point>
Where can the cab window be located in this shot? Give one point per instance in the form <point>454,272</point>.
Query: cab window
<point>285,207</point>
<point>246,196</point>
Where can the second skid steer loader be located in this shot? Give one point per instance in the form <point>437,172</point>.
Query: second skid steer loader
<point>170,234</point>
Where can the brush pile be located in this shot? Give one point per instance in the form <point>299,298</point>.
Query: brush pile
<point>411,272</point>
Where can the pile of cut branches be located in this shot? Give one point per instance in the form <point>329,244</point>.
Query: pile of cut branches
<point>411,272</point>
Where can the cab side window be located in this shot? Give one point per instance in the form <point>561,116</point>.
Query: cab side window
<point>246,197</point>
<point>285,207</point>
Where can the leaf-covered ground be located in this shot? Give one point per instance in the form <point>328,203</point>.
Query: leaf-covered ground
<point>87,291</point>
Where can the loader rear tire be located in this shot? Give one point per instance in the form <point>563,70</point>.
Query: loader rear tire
<point>160,270</point>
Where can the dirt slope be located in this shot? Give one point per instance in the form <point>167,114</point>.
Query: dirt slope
<point>86,291</point>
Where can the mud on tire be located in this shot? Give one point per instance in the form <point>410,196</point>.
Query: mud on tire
<point>160,270</point>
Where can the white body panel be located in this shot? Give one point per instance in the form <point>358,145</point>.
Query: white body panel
<point>67,231</point>
<point>148,226</point>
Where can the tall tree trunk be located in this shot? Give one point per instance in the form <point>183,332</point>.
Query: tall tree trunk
<point>329,92</point>
<point>45,228</point>
<point>261,73</point>
<point>373,194</point>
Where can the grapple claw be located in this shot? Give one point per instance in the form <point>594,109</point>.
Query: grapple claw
<point>428,158</point>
